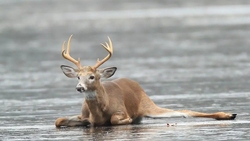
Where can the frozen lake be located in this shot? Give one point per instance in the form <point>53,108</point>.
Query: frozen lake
<point>186,55</point>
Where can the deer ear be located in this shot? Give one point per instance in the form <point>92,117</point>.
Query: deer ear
<point>107,72</point>
<point>69,71</point>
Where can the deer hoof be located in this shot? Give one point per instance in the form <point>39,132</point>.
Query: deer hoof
<point>60,122</point>
<point>225,116</point>
<point>233,116</point>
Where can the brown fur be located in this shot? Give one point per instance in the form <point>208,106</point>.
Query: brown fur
<point>123,101</point>
<point>117,102</point>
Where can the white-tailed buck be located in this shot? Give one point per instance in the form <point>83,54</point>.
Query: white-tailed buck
<point>117,102</point>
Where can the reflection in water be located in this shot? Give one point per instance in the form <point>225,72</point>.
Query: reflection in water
<point>159,131</point>
<point>121,132</point>
<point>145,131</point>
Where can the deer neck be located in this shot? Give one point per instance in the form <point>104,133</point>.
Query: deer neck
<point>97,99</point>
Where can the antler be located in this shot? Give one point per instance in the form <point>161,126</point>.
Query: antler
<point>109,48</point>
<point>66,54</point>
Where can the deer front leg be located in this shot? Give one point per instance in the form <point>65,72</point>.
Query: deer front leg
<point>72,121</point>
<point>217,116</point>
<point>120,118</point>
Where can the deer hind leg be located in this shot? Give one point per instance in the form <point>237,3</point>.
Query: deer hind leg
<point>120,118</point>
<point>157,112</point>
<point>71,121</point>
<point>217,116</point>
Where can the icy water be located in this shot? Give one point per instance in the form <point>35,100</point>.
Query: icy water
<point>186,55</point>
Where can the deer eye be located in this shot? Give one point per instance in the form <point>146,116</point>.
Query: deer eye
<point>78,78</point>
<point>91,77</point>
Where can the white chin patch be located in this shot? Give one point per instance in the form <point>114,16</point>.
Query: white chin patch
<point>89,95</point>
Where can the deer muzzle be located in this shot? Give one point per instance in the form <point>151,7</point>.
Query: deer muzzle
<point>80,88</point>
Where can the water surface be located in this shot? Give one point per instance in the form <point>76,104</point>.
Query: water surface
<point>186,55</point>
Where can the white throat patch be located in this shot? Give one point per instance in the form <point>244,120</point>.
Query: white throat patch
<point>89,95</point>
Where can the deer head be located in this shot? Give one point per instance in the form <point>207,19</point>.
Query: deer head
<point>88,76</point>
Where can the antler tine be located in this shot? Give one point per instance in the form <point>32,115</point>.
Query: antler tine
<point>109,48</point>
<point>66,54</point>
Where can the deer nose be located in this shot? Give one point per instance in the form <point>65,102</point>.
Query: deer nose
<point>80,88</point>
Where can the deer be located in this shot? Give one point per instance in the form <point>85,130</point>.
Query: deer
<point>121,101</point>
